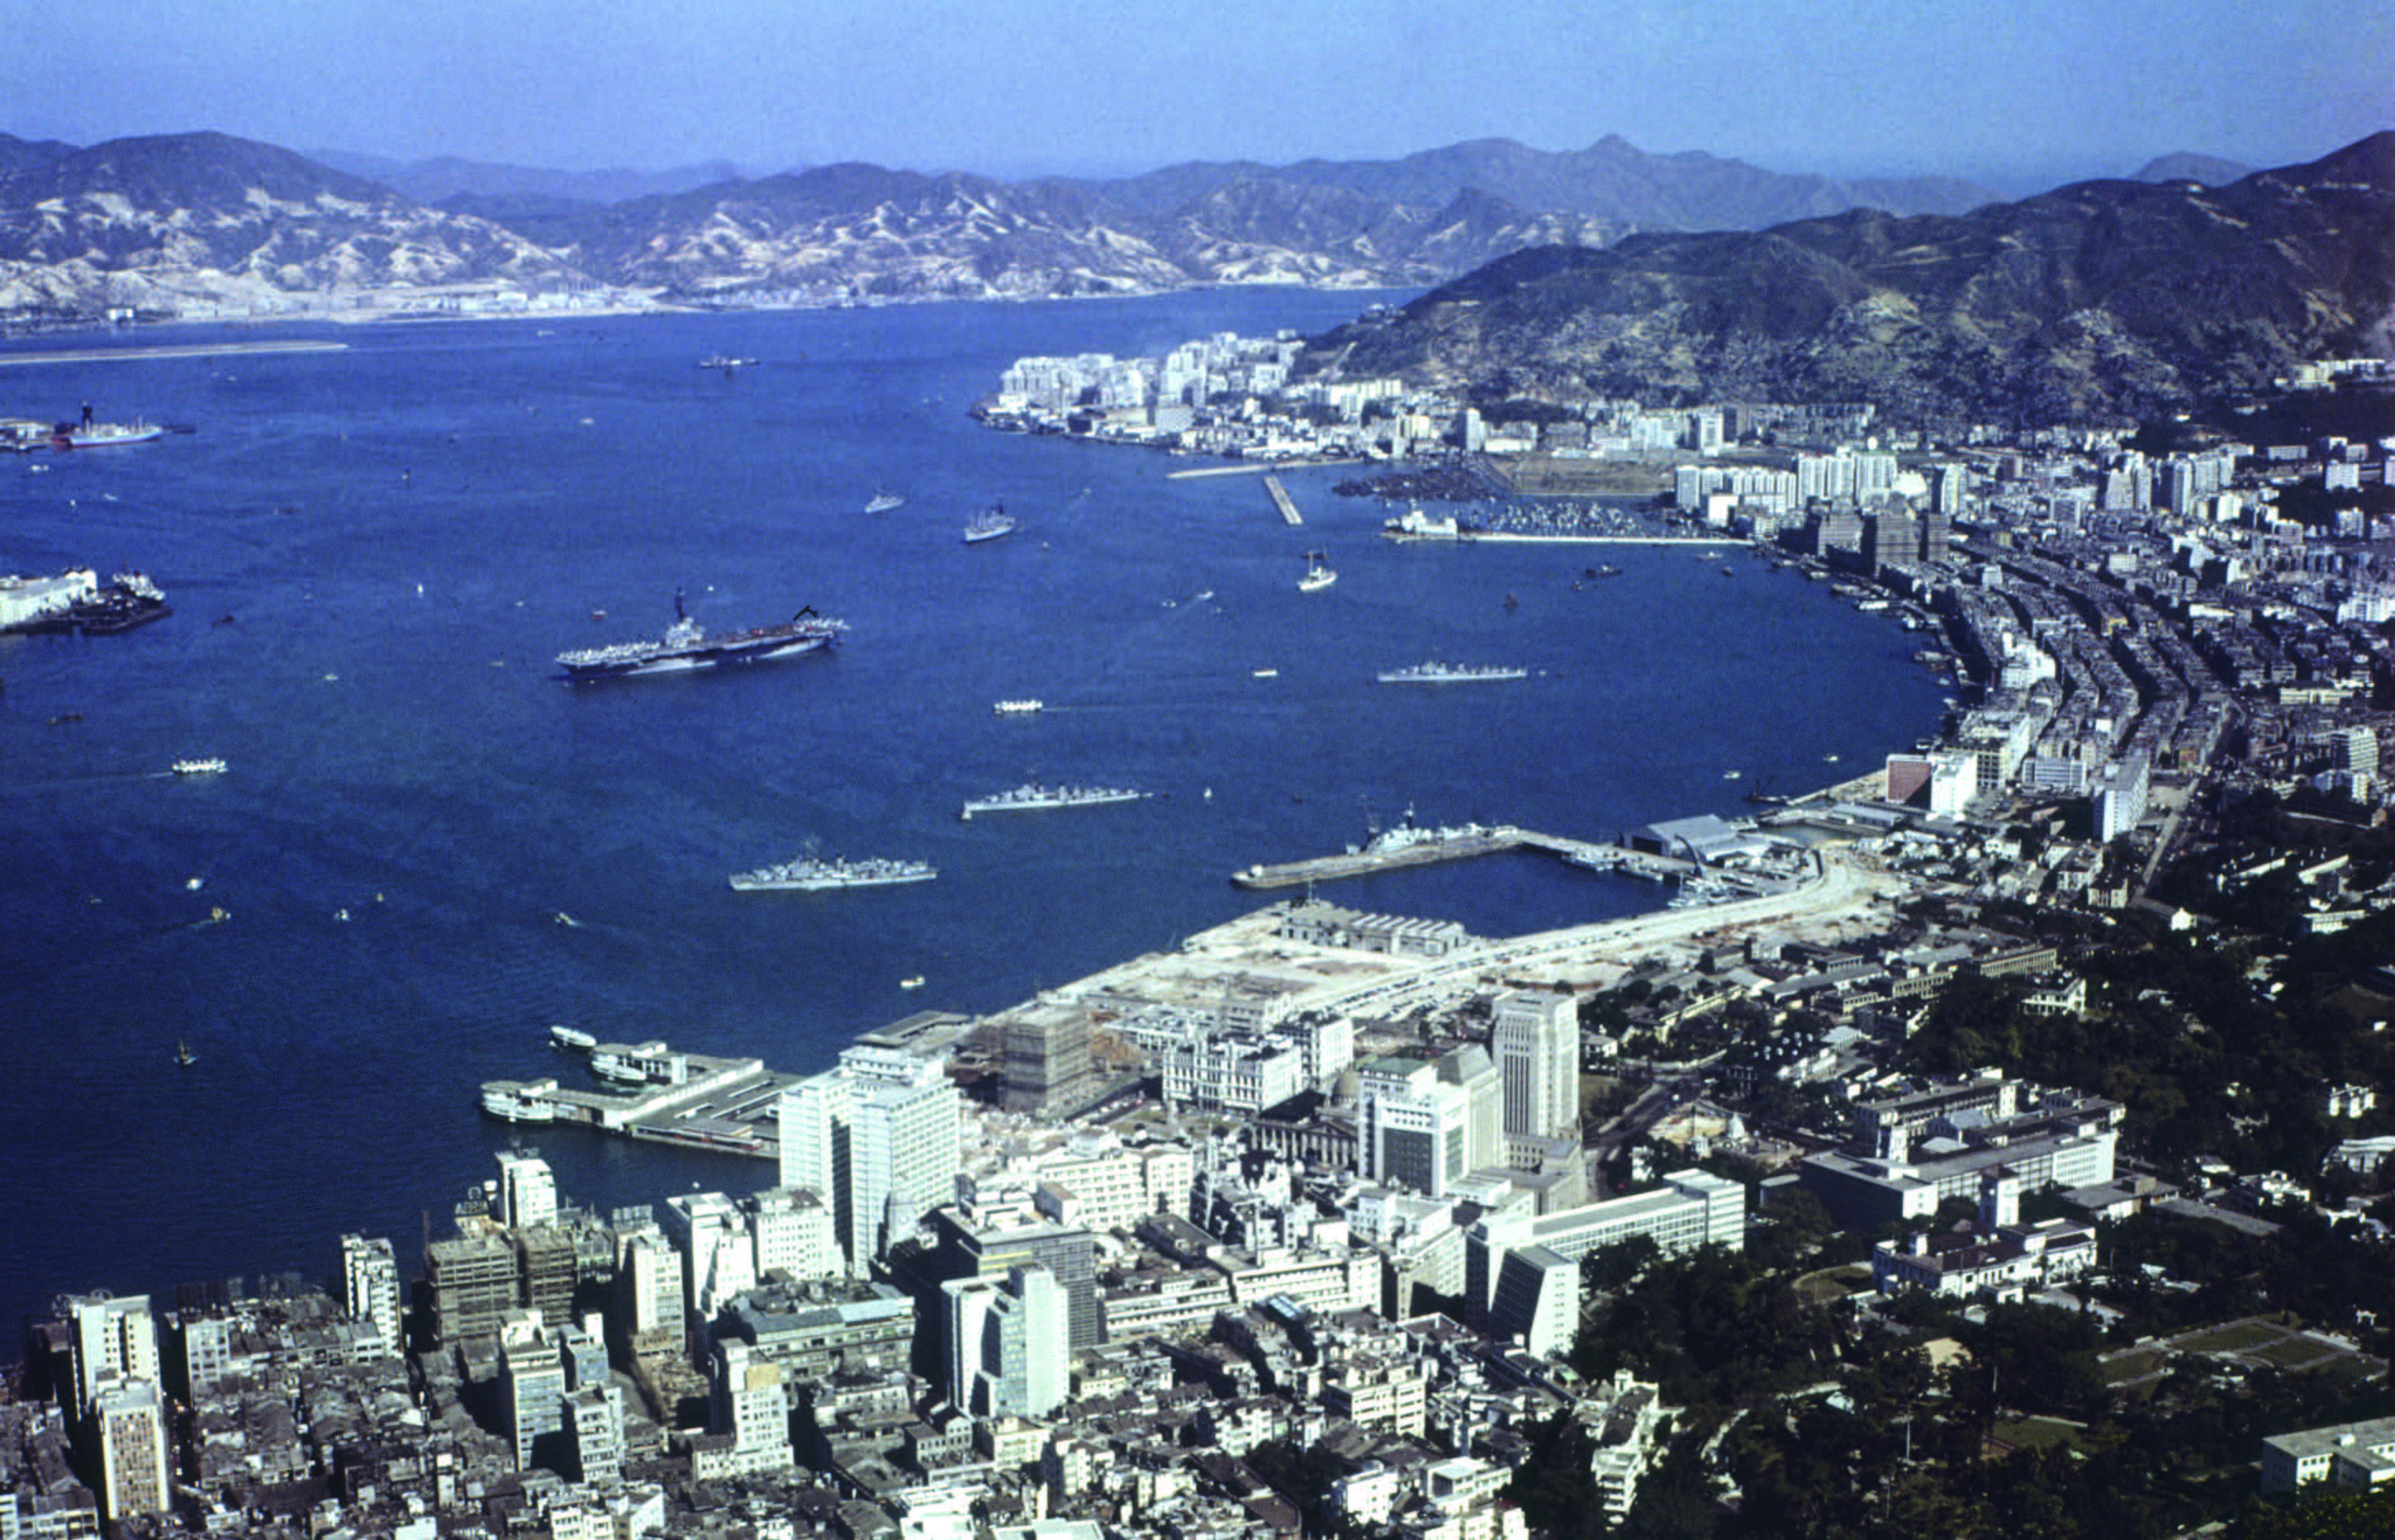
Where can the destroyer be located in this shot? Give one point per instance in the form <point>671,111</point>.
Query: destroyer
<point>1450,673</point>
<point>810,874</point>
<point>1035,796</point>
<point>686,646</point>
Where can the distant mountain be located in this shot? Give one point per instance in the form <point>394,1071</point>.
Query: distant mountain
<point>162,223</point>
<point>1611,180</point>
<point>2211,170</point>
<point>443,178</point>
<point>2106,301</point>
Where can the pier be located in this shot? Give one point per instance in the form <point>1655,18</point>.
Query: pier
<point>1459,844</point>
<point>1281,498</point>
<point>731,1106</point>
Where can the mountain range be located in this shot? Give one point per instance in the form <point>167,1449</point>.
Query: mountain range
<point>2105,301</point>
<point>1604,268</point>
<point>155,224</point>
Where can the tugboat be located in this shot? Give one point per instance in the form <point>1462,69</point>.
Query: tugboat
<point>1317,576</point>
<point>184,1055</point>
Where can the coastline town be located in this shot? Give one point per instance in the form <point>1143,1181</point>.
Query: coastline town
<point>2004,1122</point>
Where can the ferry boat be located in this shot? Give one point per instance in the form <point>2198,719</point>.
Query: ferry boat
<point>811,874</point>
<point>989,525</point>
<point>1023,707</point>
<point>1034,797</point>
<point>1436,672</point>
<point>686,646</point>
<point>520,1101</point>
<point>201,767</point>
<point>567,1038</point>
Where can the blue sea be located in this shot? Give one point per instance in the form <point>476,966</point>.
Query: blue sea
<point>374,553</point>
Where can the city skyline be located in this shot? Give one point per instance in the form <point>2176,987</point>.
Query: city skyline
<point>2036,96</point>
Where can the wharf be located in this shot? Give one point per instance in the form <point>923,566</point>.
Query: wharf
<point>728,1105</point>
<point>1281,500</point>
<point>1460,845</point>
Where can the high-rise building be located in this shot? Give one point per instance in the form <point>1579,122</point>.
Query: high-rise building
<point>547,1268</point>
<point>718,1259</point>
<point>532,1391</point>
<point>1044,1069</point>
<point>472,1279</point>
<point>1006,1341</point>
<point>2121,798</point>
<point>879,1139</point>
<point>112,1337</point>
<point>907,1144</point>
<point>129,1422</point>
<point>749,1405</point>
<point>1536,1039</point>
<point>594,1425</point>
<point>993,1247</point>
<point>370,1285</point>
<point>1411,1129</point>
<point>649,1310</point>
<point>528,1189</point>
<point>792,1231</point>
<point>1537,1299</point>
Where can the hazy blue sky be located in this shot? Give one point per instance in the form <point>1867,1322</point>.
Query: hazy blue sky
<point>2017,90</point>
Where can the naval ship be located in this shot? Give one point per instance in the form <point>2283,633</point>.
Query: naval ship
<point>1035,796</point>
<point>810,874</point>
<point>686,646</point>
<point>1450,673</point>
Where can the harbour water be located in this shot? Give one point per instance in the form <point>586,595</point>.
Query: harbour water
<point>426,848</point>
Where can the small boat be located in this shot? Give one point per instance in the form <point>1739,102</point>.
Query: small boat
<point>915,983</point>
<point>1024,707</point>
<point>724,360</point>
<point>199,767</point>
<point>184,1055</point>
<point>1267,672</point>
<point>1317,576</point>
<point>567,920</point>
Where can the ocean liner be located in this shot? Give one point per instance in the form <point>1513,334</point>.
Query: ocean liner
<point>686,646</point>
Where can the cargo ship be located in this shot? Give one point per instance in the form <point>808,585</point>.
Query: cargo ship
<point>687,646</point>
<point>1035,796</point>
<point>989,525</point>
<point>1450,673</point>
<point>808,874</point>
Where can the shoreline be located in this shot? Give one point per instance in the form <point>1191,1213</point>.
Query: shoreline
<point>191,350</point>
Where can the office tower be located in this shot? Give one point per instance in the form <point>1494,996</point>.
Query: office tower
<point>129,1421</point>
<point>1412,1129</point>
<point>112,1337</point>
<point>1067,1254</point>
<point>528,1189</point>
<point>907,1146</point>
<point>1006,1341</point>
<point>532,1390</point>
<point>1537,1300</point>
<point>879,1139</point>
<point>370,1285</point>
<point>205,1341</point>
<point>1536,1039</point>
